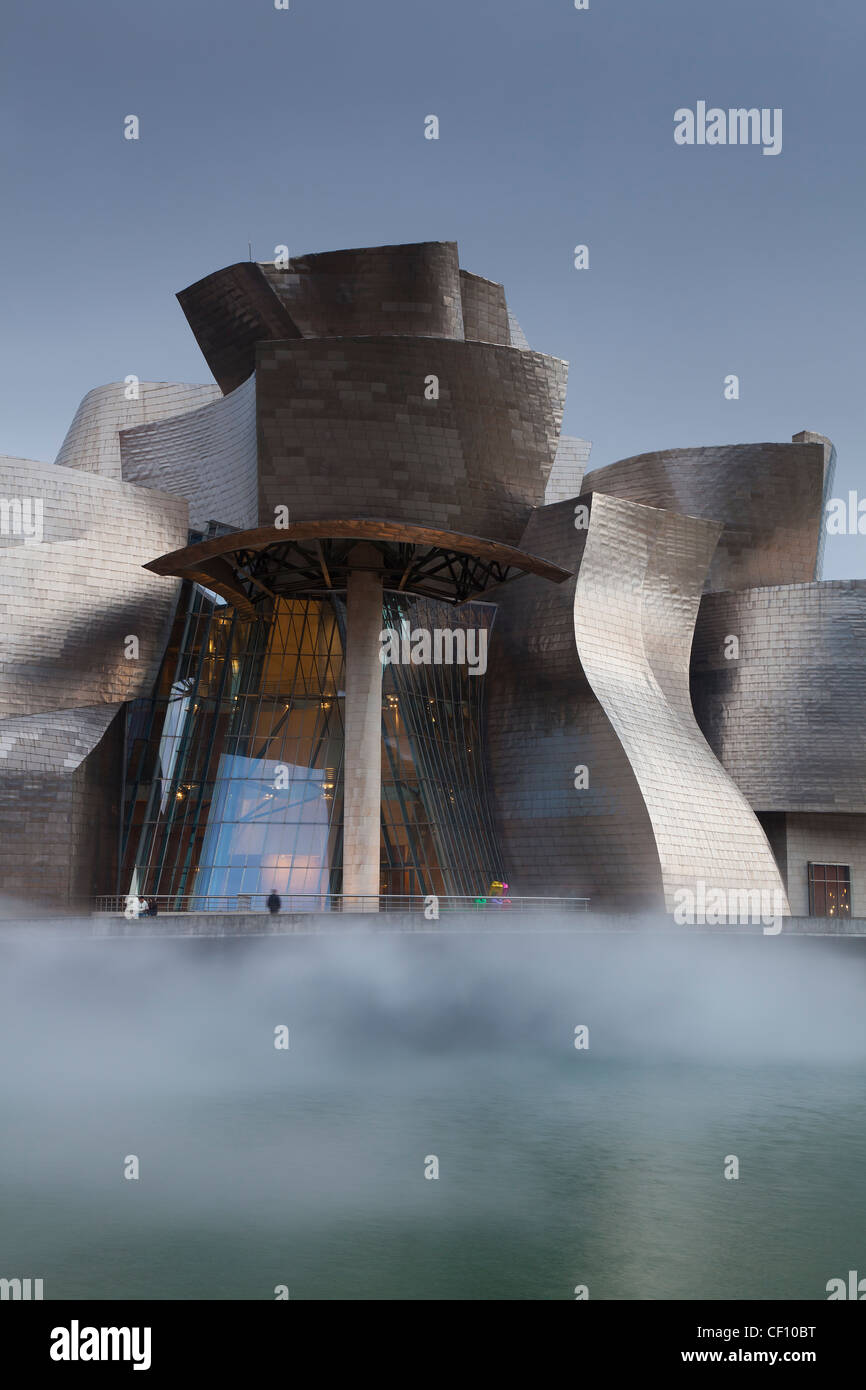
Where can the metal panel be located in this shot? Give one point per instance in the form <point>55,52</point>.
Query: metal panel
<point>638,591</point>
<point>70,600</point>
<point>92,442</point>
<point>566,475</point>
<point>207,456</point>
<point>783,710</point>
<point>345,430</point>
<point>59,802</point>
<point>485,313</point>
<point>412,290</point>
<point>594,673</point>
<point>229,312</point>
<point>769,497</point>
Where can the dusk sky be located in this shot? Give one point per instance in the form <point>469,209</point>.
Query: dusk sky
<point>305,127</point>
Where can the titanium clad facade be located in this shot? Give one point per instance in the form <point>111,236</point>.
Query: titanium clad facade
<point>604,699</point>
<point>784,715</point>
<point>60,780</point>
<point>207,455</point>
<point>380,409</point>
<point>638,591</point>
<point>92,441</point>
<point>411,291</point>
<point>516,333</point>
<point>229,312</point>
<point>769,498</point>
<point>71,598</point>
<point>475,460</point>
<point>543,724</point>
<point>485,312</point>
<point>566,475</point>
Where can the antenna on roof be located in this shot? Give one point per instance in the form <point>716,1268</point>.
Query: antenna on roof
<point>250,245</point>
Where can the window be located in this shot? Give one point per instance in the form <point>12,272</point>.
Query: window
<point>235,778</point>
<point>829,890</point>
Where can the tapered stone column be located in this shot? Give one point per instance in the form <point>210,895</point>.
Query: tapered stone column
<point>363,730</point>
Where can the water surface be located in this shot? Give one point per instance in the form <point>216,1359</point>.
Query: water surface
<point>262,1167</point>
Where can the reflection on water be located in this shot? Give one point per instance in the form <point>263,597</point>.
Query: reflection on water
<point>557,1166</point>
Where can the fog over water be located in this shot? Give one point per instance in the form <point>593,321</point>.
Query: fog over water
<point>558,1166</point>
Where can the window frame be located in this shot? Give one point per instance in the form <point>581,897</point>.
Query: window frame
<point>833,880</point>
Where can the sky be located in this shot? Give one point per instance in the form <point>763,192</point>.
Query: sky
<point>305,127</point>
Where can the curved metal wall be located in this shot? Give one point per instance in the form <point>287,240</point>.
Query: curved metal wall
<point>516,333</point>
<point>785,716</point>
<point>345,346</point>
<point>207,456</point>
<point>229,312</point>
<point>59,803</point>
<point>326,365</point>
<point>594,673</point>
<point>92,442</point>
<point>542,722</point>
<point>415,290</point>
<point>485,312</point>
<point>638,591</point>
<point>566,475</point>
<point>410,290</point>
<point>72,599</point>
<point>345,431</point>
<point>769,497</point>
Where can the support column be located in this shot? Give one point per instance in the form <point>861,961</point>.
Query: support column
<point>363,732</point>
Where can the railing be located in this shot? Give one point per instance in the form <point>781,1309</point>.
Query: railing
<point>430,905</point>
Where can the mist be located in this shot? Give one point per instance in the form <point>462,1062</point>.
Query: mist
<point>306,1166</point>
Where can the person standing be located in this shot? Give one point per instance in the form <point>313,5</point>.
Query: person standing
<point>274,903</point>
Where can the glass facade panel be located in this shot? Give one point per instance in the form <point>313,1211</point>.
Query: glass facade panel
<point>829,890</point>
<point>438,835</point>
<point>234,782</point>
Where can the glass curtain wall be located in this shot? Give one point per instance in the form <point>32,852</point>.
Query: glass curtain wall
<point>234,782</point>
<point>234,768</point>
<point>437,830</point>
